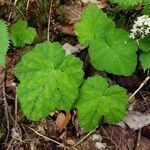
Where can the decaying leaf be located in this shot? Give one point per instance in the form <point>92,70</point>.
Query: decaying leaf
<point>71,13</point>
<point>71,142</point>
<point>122,139</point>
<point>100,4</point>
<point>62,121</point>
<point>70,49</point>
<point>136,120</point>
<point>67,29</point>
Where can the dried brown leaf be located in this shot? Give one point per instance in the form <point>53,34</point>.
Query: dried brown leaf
<point>71,142</point>
<point>67,29</point>
<point>136,120</point>
<point>62,121</point>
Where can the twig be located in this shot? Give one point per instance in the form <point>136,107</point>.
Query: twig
<point>27,4</point>
<point>25,131</point>
<point>15,123</point>
<point>110,138</point>
<point>16,106</point>
<point>21,12</point>
<point>10,97</point>
<point>15,2</point>
<point>10,144</point>
<point>49,21</point>
<point>47,138</point>
<point>140,87</point>
<point>137,146</point>
<point>17,8</point>
<point>6,109</point>
<point>84,138</point>
<point>9,17</point>
<point>24,141</point>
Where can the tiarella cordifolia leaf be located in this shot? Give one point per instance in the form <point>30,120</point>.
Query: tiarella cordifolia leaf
<point>109,46</point>
<point>49,80</point>
<point>115,53</point>
<point>126,3</point>
<point>97,99</point>
<point>144,44</point>
<point>146,10</point>
<point>21,34</point>
<point>4,42</point>
<point>145,60</point>
<point>94,23</point>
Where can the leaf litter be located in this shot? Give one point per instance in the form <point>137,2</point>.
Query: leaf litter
<point>108,136</point>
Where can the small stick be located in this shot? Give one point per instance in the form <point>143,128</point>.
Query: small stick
<point>24,142</point>
<point>18,9</point>
<point>16,106</point>
<point>6,112</point>
<point>49,21</point>
<point>138,144</point>
<point>110,138</point>
<point>20,12</point>
<point>27,5</point>
<point>9,17</point>
<point>47,138</point>
<point>84,138</point>
<point>140,87</point>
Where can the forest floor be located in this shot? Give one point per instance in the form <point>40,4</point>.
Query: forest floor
<point>18,133</point>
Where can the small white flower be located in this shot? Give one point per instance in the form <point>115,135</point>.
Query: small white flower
<point>100,145</point>
<point>141,27</point>
<point>142,36</point>
<point>147,31</point>
<point>132,36</point>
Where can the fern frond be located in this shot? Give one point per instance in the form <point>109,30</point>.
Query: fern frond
<point>4,42</point>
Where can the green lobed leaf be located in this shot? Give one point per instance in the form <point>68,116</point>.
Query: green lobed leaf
<point>4,42</point>
<point>97,99</point>
<point>109,46</point>
<point>93,24</point>
<point>21,34</point>
<point>126,3</point>
<point>29,35</point>
<point>146,10</point>
<point>49,80</point>
<point>145,60</point>
<point>144,44</point>
<point>115,53</point>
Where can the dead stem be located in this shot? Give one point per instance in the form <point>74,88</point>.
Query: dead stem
<point>47,138</point>
<point>49,21</point>
<point>6,108</point>
<point>24,142</point>
<point>140,87</point>
<point>84,137</point>
<point>27,5</point>
<point>138,142</point>
<point>16,106</point>
<point>9,17</point>
<point>110,138</point>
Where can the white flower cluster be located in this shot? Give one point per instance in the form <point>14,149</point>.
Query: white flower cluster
<point>141,27</point>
